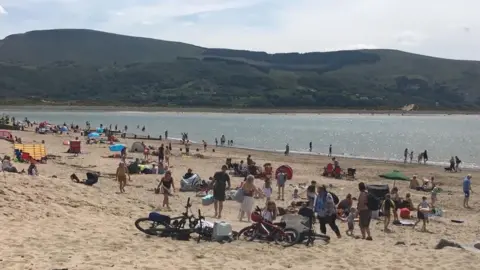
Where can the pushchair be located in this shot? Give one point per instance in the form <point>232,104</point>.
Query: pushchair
<point>310,234</point>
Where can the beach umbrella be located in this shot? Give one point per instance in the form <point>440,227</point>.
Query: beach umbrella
<point>116,147</point>
<point>93,135</point>
<point>64,128</point>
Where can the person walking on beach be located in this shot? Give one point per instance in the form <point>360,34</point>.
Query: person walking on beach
<point>457,164</point>
<point>425,157</point>
<point>121,176</point>
<point>411,157</point>
<point>167,188</point>
<point>467,189</point>
<point>364,213</point>
<point>166,134</point>
<point>221,182</point>
<point>326,211</point>
<point>287,149</point>
<point>216,142</point>
<point>143,129</point>
<point>310,146</point>
<point>405,155</point>
<point>330,150</point>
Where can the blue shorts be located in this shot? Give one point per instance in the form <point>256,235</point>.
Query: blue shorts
<point>467,193</point>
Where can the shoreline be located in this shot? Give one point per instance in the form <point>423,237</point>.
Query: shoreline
<point>231,110</point>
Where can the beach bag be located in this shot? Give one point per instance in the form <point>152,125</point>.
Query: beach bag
<point>207,200</point>
<point>239,195</point>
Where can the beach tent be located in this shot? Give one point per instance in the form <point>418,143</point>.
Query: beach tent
<point>376,193</point>
<point>99,130</point>
<point>116,147</point>
<point>64,129</point>
<point>137,147</point>
<point>395,175</point>
<point>286,169</point>
<point>36,151</point>
<point>6,135</point>
<point>93,135</point>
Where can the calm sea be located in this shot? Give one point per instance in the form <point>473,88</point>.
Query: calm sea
<point>383,137</point>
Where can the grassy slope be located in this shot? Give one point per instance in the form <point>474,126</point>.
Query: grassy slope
<point>93,54</point>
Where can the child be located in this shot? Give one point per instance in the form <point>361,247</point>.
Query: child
<point>269,213</point>
<point>388,207</point>
<point>422,213</point>
<point>267,188</point>
<point>408,202</point>
<point>295,194</point>
<point>434,193</point>
<point>351,221</point>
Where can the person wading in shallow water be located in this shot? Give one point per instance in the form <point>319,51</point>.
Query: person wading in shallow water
<point>221,181</point>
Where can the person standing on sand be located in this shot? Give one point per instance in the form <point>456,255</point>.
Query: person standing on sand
<point>166,134</point>
<point>467,189</point>
<point>411,157</point>
<point>330,151</point>
<point>287,149</point>
<point>425,157</point>
<point>310,146</point>
<point>405,155</point>
<point>221,182</point>
<point>161,154</point>
<point>281,179</point>
<point>121,176</point>
<point>365,215</point>
<point>216,142</point>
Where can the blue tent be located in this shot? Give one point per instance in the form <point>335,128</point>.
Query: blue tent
<point>116,147</point>
<point>64,129</point>
<point>93,135</point>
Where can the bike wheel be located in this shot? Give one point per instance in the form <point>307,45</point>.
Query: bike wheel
<point>248,233</point>
<point>149,227</point>
<point>287,238</point>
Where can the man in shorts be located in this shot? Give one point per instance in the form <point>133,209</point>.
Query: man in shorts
<point>221,182</point>
<point>364,213</point>
<point>467,189</point>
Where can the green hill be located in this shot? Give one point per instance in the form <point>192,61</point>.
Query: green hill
<point>91,67</point>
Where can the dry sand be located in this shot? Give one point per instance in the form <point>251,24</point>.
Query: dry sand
<point>53,223</point>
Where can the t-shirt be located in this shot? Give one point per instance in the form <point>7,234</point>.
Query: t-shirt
<point>221,179</point>
<point>387,206</point>
<point>344,204</point>
<point>466,184</point>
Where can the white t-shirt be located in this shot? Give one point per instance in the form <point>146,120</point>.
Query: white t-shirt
<point>267,215</point>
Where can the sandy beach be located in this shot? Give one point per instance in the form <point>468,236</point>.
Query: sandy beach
<point>50,222</point>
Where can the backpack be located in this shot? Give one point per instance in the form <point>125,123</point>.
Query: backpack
<point>335,198</point>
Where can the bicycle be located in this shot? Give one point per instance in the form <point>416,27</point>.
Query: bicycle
<point>264,230</point>
<point>165,226</point>
<point>310,235</point>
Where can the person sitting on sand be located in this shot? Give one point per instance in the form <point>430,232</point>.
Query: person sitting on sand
<point>188,174</point>
<point>92,178</point>
<point>7,165</point>
<point>422,213</point>
<point>166,187</point>
<point>269,213</point>
<point>414,183</point>
<point>407,203</point>
<point>296,195</point>
<point>121,176</point>
<point>32,169</point>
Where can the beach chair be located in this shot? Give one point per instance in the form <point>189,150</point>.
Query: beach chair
<point>328,170</point>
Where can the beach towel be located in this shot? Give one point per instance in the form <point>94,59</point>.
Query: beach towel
<point>395,175</point>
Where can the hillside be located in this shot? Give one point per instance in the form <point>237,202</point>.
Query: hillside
<point>91,67</point>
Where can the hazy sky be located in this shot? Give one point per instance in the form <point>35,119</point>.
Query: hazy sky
<point>444,28</point>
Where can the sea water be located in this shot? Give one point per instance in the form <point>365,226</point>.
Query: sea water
<point>380,136</point>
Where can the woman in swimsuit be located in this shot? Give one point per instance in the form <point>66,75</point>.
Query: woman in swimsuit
<point>167,188</point>
<point>121,176</point>
<point>249,189</point>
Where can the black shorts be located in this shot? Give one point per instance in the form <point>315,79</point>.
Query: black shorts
<point>219,195</point>
<point>421,215</point>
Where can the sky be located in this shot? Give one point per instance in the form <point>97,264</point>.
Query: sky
<point>442,28</point>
